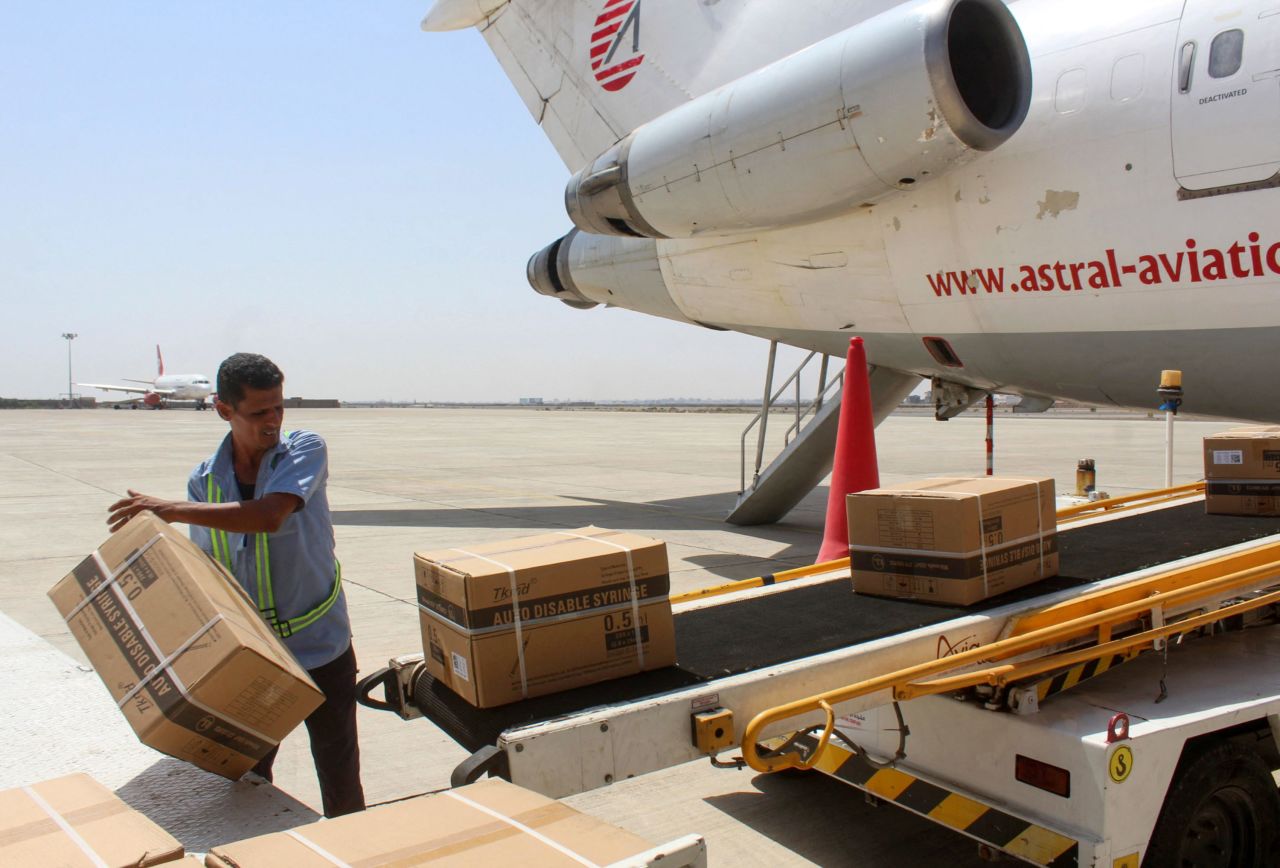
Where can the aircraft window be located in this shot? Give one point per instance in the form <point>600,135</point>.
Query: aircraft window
<point>1069,95</point>
<point>1126,77</point>
<point>1225,53</point>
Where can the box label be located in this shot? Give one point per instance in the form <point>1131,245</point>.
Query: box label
<point>1228,456</point>
<point>1243,488</point>
<point>447,609</point>
<point>625,638</point>
<point>905,528</point>
<point>939,566</point>
<point>459,666</point>
<point>142,570</point>
<point>126,633</point>
<point>544,609</point>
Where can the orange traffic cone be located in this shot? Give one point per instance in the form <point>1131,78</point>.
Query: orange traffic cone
<point>855,467</point>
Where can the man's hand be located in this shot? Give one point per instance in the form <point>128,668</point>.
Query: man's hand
<point>123,510</point>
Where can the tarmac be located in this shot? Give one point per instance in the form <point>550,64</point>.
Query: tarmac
<point>405,480</point>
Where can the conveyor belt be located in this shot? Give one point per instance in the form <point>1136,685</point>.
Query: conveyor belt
<point>755,633</point>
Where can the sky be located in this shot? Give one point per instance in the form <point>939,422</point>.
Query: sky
<point>321,182</point>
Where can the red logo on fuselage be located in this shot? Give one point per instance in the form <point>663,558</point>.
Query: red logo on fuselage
<point>615,44</point>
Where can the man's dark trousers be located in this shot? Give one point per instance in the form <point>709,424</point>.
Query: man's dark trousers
<point>332,728</point>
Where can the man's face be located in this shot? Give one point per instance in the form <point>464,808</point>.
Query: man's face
<point>256,419</point>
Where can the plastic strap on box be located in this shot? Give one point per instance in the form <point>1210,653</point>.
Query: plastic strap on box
<point>112,576</point>
<point>150,641</point>
<point>316,848</point>
<point>168,661</point>
<point>631,581</point>
<point>982,541</point>
<point>516,824</point>
<point>66,827</point>
<point>515,610</point>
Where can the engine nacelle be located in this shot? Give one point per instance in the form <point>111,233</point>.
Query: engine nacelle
<point>584,270</point>
<point>893,101</point>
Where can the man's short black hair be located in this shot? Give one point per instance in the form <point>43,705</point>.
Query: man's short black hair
<point>246,369</point>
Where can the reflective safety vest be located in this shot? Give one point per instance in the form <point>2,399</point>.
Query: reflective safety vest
<point>262,562</point>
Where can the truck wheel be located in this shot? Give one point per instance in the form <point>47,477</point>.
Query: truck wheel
<point>1222,810</point>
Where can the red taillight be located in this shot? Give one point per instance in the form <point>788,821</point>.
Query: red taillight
<point>1043,776</point>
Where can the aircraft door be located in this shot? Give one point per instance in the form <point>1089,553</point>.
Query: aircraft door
<point>1226,93</point>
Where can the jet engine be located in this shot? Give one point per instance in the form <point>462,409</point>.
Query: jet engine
<point>891,102</point>
<point>584,270</point>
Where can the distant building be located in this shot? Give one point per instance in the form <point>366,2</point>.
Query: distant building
<point>530,401</point>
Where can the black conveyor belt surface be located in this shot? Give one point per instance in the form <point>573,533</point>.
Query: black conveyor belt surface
<point>750,634</point>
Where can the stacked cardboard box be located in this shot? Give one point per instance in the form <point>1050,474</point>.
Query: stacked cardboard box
<point>197,672</point>
<point>527,617</point>
<point>1242,472</point>
<point>74,820</point>
<point>953,540</point>
<point>487,823</point>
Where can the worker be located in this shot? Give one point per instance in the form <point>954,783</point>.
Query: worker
<point>259,506</point>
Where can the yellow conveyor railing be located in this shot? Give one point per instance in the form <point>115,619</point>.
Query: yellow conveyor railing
<point>1044,640</point>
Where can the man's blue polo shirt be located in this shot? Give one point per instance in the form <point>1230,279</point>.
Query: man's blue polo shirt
<point>302,563</point>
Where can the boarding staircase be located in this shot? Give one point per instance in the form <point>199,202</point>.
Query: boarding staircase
<point>808,443</point>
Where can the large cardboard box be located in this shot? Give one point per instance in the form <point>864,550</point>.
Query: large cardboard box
<point>74,820</point>
<point>197,672</point>
<point>1242,472</point>
<point>953,540</point>
<point>510,620</point>
<point>487,823</point>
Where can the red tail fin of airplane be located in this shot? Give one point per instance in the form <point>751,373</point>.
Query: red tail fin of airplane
<point>159,362</point>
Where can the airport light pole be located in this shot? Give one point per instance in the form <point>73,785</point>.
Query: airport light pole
<point>71,397</point>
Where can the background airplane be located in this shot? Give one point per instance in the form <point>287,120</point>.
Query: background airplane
<point>165,387</point>
<point>1052,199</point>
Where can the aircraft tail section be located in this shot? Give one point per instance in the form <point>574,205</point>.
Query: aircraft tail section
<point>591,71</point>
<point>159,362</point>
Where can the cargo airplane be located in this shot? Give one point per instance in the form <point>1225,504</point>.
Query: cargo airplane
<point>1046,198</point>
<point>165,387</point>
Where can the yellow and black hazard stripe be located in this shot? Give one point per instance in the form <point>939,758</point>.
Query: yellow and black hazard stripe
<point>1003,831</point>
<point>1069,678</point>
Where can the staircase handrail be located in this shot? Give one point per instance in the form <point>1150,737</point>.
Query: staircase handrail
<point>771,398</point>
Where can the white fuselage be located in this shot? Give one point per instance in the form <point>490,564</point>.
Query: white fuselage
<point>1128,225</point>
<point>1064,262</point>
<point>183,387</point>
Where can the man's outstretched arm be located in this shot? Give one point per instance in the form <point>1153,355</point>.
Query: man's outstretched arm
<point>264,515</point>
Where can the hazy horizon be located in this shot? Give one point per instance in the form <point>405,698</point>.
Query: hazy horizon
<point>318,182</point>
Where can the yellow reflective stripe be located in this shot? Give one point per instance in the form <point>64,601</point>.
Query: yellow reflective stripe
<point>319,611</point>
<point>889,784</point>
<point>957,812</point>
<point>1039,845</point>
<point>257,564</point>
<point>217,538</point>
<point>266,567</point>
<point>262,549</point>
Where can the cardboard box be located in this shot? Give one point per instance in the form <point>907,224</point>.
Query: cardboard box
<point>197,672</point>
<point>34,824</point>
<point>953,541</point>
<point>1242,472</point>
<point>487,823</point>
<point>527,617</point>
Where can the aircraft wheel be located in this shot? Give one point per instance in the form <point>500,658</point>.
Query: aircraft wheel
<point>1222,809</point>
